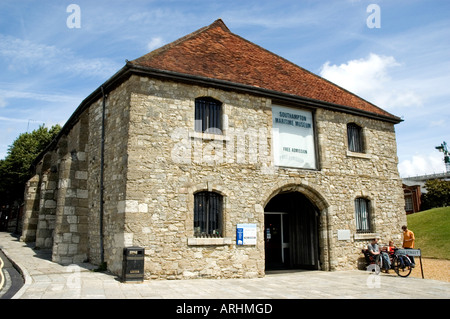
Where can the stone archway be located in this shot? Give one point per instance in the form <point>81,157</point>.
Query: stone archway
<point>296,229</point>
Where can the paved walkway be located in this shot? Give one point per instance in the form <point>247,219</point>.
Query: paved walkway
<point>47,280</point>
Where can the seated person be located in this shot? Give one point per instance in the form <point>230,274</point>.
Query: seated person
<point>374,249</point>
<point>391,248</point>
<point>387,253</point>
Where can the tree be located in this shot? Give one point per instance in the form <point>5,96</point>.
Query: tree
<point>15,168</point>
<point>437,195</point>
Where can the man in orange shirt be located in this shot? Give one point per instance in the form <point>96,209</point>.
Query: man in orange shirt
<point>408,241</point>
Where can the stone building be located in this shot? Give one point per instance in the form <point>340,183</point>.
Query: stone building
<point>222,160</point>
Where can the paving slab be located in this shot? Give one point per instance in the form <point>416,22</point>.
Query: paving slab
<point>45,279</point>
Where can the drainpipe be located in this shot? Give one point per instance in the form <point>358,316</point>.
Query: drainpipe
<point>102,161</point>
<point>328,238</point>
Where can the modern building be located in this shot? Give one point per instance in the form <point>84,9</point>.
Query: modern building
<point>414,188</point>
<point>221,160</point>
<point>413,196</point>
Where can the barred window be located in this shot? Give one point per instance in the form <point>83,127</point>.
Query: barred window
<point>362,214</point>
<point>355,138</point>
<point>208,115</point>
<point>208,214</point>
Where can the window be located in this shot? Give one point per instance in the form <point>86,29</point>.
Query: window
<point>207,214</point>
<point>208,115</point>
<point>355,138</point>
<point>362,214</point>
<point>409,203</point>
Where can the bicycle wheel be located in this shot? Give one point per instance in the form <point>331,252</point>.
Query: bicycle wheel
<point>402,268</point>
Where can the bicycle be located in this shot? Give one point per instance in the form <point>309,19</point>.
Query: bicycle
<point>401,264</point>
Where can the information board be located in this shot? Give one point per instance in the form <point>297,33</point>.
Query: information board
<point>293,137</point>
<point>246,234</point>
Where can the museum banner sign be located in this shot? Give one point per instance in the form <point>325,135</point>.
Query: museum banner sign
<point>293,137</point>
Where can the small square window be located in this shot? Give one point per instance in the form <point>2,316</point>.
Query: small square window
<point>355,138</point>
<point>208,115</point>
<point>208,214</point>
<point>362,215</point>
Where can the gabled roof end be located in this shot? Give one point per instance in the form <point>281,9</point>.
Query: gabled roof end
<point>219,23</point>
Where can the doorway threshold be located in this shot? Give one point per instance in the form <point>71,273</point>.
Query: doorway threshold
<point>285,271</point>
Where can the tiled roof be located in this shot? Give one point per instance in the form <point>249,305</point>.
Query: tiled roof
<point>215,52</point>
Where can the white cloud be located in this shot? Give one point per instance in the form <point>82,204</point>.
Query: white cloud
<point>369,78</point>
<point>26,56</point>
<point>422,165</point>
<point>54,97</point>
<point>10,119</point>
<point>155,43</point>
<point>2,102</point>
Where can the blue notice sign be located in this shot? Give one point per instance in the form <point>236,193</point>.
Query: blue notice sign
<point>239,236</point>
<point>246,234</point>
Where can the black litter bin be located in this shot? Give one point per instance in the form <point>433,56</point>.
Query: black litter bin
<point>133,264</point>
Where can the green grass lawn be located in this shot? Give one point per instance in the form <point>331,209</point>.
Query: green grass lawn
<point>432,231</point>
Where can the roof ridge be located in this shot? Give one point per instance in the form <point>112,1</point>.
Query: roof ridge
<point>219,23</point>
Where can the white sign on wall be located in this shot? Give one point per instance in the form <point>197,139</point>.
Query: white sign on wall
<point>343,234</point>
<point>293,137</point>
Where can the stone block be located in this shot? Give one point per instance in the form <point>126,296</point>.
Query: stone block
<point>50,203</point>
<point>81,175</point>
<point>82,193</point>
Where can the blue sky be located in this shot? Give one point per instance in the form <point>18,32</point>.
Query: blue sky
<point>403,66</point>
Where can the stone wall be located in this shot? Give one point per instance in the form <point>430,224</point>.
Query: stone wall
<point>47,202</point>
<point>114,176</point>
<point>62,199</point>
<point>31,207</point>
<point>56,199</point>
<point>154,163</point>
<point>70,239</point>
<point>168,162</point>
<point>40,203</point>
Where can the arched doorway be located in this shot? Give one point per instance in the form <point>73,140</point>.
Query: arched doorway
<point>291,232</point>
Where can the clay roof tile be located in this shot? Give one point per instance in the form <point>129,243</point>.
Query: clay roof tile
<point>215,52</point>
